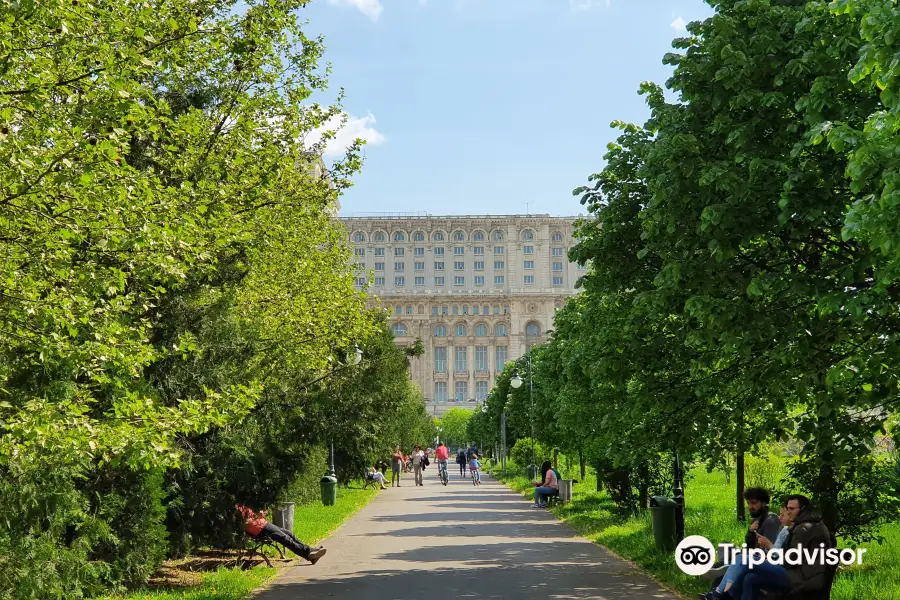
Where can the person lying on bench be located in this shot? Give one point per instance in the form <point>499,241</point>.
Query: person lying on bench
<point>376,477</point>
<point>258,528</point>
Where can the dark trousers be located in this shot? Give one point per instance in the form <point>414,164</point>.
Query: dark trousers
<point>286,539</point>
<point>764,577</point>
<point>462,469</point>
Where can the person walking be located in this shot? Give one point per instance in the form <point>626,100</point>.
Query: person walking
<point>396,466</point>
<point>418,461</point>
<point>461,461</point>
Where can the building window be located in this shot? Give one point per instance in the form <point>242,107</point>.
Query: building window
<point>399,237</point>
<point>479,265</point>
<point>481,390</point>
<point>438,281</point>
<point>557,281</point>
<point>439,237</point>
<point>529,279</point>
<point>481,329</point>
<point>379,266</point>
<point>379,251</point>
<point>459,265</point>
<point>440,391</point>
<point>557,266</point>
<point>418,251</point>
<point>529,235</point>
<point>479,280</point>
<point>532,329</point>
<point>502,330</point>
<point>478,250</point>
<point>359,251</point>
<point>481,358</point>
<point>379,237</point>
<point>462,390</point>
<point>420,281</point>
<point>459,280</point>
<point>439,265</point>
<point>461,330</point>
<point>434,310</point>
<point>465,310</point>
<point>557,237</point>
<point>399,281</point>
<point>398,266</point>
<point>499,250</point>
<point>529,264</point>
<point>498,280</point>
<point>438,251</point>
<point>360,282</point>
<point>478,237</point>
<point>359,236</point>
<point>502,354</point>
<point>475,310</point>
<point>498,265</point>
<point>557,252</point>
<point>496,310</point>
<point>582,267</point>
<point>455,310</point>
<point>528,250</point>
<point>440,330</point>
<point>409,310</point>
<point>398,251</point>
<point>459,363</point>
<point>399,329</point>
<point>459,236</point>
<point>420,266</point>
<point>440,359</point>
<point>498,236</point>
<point>486,310</point>
<point>379,281</point>
<point>419,236</point>
<point>459,251</point>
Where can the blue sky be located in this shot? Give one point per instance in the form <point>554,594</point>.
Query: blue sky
<point>482,106</point>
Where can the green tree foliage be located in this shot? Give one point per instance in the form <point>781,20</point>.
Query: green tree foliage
<point>455,425</point>
<point>175,289</point>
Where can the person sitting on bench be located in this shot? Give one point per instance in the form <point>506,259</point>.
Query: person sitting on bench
<point>258,528</point>
<point>549,486</point>
<point>376,477</point>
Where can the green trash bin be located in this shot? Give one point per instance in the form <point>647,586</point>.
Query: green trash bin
<point>662,515</point>
<point>329,489</point>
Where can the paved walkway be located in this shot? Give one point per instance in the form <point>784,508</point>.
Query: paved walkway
<point>459,541</point>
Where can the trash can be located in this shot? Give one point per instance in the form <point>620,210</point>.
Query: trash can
<point>329,489</point>
<point>565,490</point>
<point>662,515</point>
<point>531,472</point>
<point>284,517</point>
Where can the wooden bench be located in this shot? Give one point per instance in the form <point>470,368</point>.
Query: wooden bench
<point>256,546</point>
<point>823,594</point>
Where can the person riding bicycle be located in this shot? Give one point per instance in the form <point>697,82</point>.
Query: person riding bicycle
<point>441,455</point>
<point>474,465</point>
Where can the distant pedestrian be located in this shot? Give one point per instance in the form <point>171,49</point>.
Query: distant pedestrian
<point>418,461</point>
<point>461,461</point>
<point>396,466</point>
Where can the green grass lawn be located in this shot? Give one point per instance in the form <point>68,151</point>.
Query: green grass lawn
<point>710,512</point>
<point>312,524</point>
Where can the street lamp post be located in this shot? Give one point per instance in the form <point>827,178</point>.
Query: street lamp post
<point>516,382</point>
<point>352,360</point>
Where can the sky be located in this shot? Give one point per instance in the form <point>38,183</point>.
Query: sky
<point>489,106</point>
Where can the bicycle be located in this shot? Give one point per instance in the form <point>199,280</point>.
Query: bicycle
<point>476,478</point>
<point>442,472</point>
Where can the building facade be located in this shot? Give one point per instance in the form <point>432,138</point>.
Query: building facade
<point>477,290</point>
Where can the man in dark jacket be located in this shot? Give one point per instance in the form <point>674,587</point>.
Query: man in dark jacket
<point>808,532</point>
<point>762,522</point>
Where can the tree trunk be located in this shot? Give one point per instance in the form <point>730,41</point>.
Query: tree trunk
<point>581,462</point>
<point>555,458</point>
<point>739,471</point>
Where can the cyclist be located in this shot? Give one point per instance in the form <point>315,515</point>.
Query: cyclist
<point>473,467</point>
<point>441,454</point>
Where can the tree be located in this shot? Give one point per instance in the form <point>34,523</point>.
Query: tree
<point>455,424</point>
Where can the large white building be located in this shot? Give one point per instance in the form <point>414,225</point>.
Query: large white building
<point>477,290</point>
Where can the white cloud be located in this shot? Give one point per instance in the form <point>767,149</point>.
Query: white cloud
<point>680,25</point>
<point>370,8</point>
<point>354,128</point>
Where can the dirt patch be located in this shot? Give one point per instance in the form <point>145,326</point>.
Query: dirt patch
<point>188,571</point>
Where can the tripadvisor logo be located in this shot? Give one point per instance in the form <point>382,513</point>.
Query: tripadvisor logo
<point>695,555</point>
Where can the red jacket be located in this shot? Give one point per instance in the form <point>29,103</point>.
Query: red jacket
<point>253,521</point>
<point>442,453</point>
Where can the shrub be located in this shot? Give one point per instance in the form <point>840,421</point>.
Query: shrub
<point>520,453</point>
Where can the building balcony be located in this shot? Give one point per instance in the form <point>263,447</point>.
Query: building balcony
<point>482,374</point>
<point>440,375</point>
<point>460,374</point>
